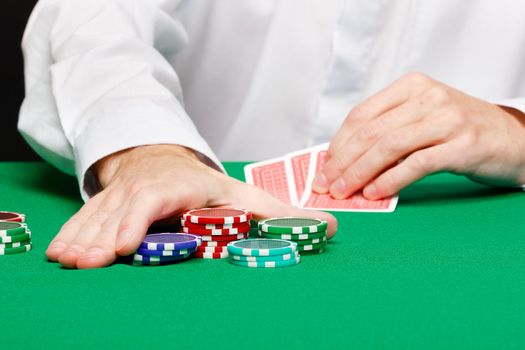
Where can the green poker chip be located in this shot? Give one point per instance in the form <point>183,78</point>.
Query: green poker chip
<point>267,264</point>
<point>265,258</point>
<point>311,241</point>
<point>16,250</point>
<point>312,252</point>
<point>262,247</point>
<point>14,244</point>
<point>293,236</point>
<point>295,225</point>
<point>302,248</point>
<point>8,228</point>
<point>17,238</point>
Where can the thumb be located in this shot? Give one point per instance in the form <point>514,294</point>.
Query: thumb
<point>264,206</point>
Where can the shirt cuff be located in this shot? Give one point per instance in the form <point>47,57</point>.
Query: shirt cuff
<point>120,126</point>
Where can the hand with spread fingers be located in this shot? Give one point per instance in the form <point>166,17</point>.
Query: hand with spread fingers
<point>147,184</point>
<point>418,126</point>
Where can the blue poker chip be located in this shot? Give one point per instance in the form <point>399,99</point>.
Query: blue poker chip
<point>144,260</point>
<point>170,241</point>
<point>174,253</point>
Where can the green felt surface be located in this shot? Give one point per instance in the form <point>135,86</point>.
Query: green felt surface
<point>445,270</point>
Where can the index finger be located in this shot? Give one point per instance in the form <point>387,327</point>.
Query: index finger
<point>390,97</point>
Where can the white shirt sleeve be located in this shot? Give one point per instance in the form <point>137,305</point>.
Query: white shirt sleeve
<point>516,103</point>
<point>97,82</point>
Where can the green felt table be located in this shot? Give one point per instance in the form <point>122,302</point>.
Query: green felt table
<point>445,270</point>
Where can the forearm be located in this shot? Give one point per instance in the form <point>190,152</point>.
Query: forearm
<point>97,72</point>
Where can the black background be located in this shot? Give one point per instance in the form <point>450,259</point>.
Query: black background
<point>13,18</point>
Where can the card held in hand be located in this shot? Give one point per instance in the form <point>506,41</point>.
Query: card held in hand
<point>290,179</point>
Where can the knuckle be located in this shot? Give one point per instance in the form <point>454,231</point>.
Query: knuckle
<point>354,176</point>
<point>457,116</point>
<point>391,143</point>
<point>387,183</point>
<point>437,95</point>
<point>469,140</point>
<point>359,112</point>
<point>368,133</point>
<point>423,162</point>
<point>417,78</point>
<point>335,166</point>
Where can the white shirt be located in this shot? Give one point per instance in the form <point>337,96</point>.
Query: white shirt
<point>245,79</point>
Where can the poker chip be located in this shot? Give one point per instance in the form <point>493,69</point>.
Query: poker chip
<point>309,234</point>
<point>311,241</point>
<point>214,244</point>
<point>190,225</point>
<point>165,248</point>
<point>202,255</point>
<point>229,238</point>
<point>15,236</point>
<point>316,246</point>
<point>262,247</point>
<point>292,225</point>
<point>170,241</point>
<point>148,258</point>
<point>12,216</point>
<point>179,252</point>
<point>217,232</point>
<point>8,228</point>
<point>14,244</point>
<point>144,260</point>
<point>220,249</point>
<point>312,252</point>
<point>265,258</point>
<point>216,227</point>
<point>18,238</point>
<point>267,264</point>
<point>293,236</point>
<point>16,250</point>
<point>217,216</point>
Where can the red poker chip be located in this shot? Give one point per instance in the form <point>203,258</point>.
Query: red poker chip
<point>206,244</point>
<point>188,224</point>
<point>217,216</point>
<point>12,216</point>
<point>211,255</point>
<point>230,238</point>
<point>220,249</point>
<point>216,232</point>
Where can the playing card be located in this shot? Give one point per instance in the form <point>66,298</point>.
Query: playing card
<point>297,166</point>
<point>271,176</point>
<point>356,202</point>
<point>290,179</point>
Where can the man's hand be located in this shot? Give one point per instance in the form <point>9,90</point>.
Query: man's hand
<point>418,126</point>
<point>147,184</point>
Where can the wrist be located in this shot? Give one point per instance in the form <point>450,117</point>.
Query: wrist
<point>107,168</point>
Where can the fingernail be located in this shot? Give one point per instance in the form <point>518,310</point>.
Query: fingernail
<point>320,181</point>
<point>370,192</point>
<point>123,239</point>
<point>339,187</point>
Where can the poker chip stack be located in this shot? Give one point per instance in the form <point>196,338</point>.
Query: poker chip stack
<point>309,234</point>
<point>217,227</point>
<point>15,236</point>
<point>264,253</point>
<point>165,248</point>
